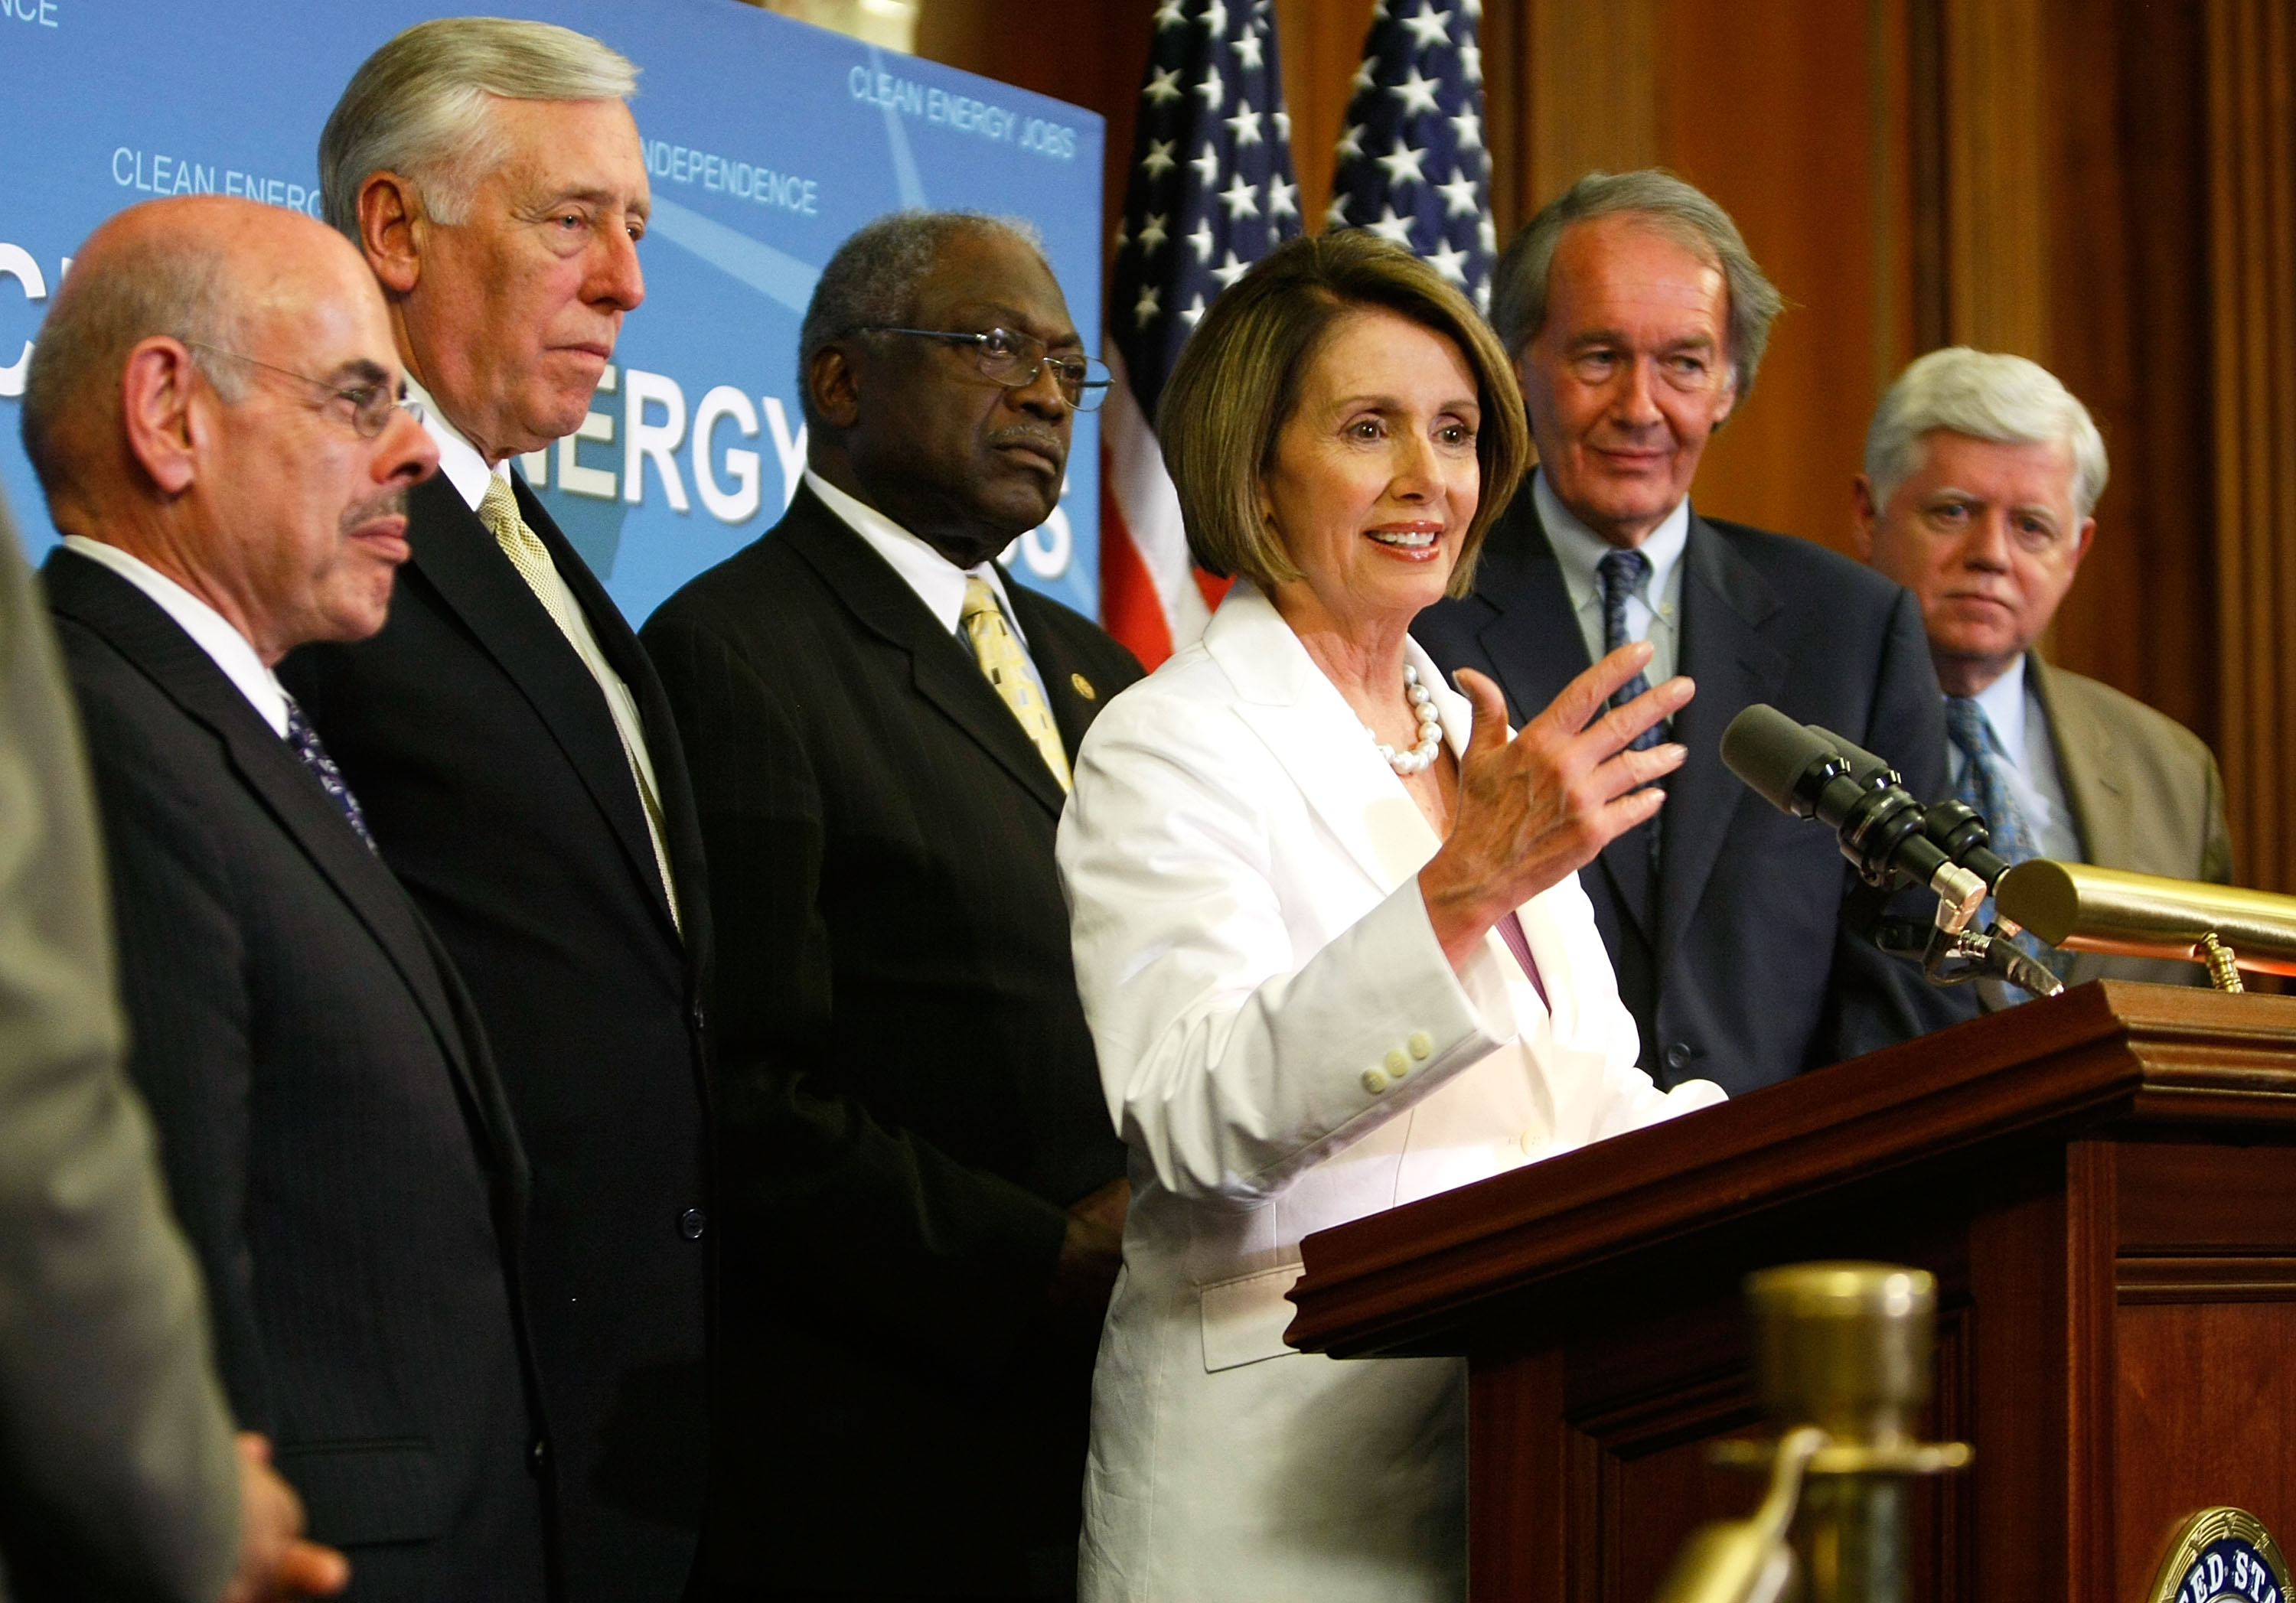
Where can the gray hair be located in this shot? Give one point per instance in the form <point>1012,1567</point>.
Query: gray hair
<point>1683,214</point>
<point>872,280</point>
<point>1986,396</point>
<point>180,285</point>
<point>420,106</point>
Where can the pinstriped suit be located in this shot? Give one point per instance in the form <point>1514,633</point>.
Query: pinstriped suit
<point>336,1143</point>
<point>909,1087</point>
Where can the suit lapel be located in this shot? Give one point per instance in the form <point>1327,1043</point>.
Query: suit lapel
<point>1725,605</point>
<point>681,830</point>
<point>1073,709</point>
<point>140,630</point>
<point>1532,640</point>
<point>944,670</point>
<point>458,556</point>
<point>2089,765</point>
<point>1310,730</point>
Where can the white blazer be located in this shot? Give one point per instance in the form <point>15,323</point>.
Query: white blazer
<point>1285,1047</point>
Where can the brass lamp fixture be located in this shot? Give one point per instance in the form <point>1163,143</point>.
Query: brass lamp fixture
<point>1841,1360</point>
<point>2078,907</point>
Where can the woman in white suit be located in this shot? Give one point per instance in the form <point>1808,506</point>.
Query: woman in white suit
<point>1331,943</point>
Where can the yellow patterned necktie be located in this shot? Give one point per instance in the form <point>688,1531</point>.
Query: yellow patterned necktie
<point>498,511</point>
<point>984,624</point>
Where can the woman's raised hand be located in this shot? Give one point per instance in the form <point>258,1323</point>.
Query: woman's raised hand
<point>1541,804</point>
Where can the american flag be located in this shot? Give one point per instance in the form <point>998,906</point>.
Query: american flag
<point>1212,191</point>
<point>1413,166</point>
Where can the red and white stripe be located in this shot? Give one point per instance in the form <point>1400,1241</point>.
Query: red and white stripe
<point>1153,597</point>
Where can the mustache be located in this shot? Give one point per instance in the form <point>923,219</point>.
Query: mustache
<point>1022,434</point>
<point>391,504</point>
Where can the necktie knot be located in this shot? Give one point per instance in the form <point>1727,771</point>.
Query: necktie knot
<point>1622,573</point>
<point>498,510</point>
<point>1971,730</point>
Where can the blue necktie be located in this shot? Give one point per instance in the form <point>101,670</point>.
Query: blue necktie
<point>1984,785</point>
<point>304,741</point>
<point>1622,573</point>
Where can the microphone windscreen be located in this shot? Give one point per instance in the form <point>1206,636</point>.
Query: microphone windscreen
<point>1864,767</point>
<point>1770,752</point>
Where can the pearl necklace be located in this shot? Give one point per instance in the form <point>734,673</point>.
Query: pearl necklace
<point>1430,730</point>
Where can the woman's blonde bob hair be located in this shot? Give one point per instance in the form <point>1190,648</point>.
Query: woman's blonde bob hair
<point>1237,383</point>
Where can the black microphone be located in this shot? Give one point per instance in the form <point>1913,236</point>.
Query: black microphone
<point>1958,829</point>
<point>1880,826</point>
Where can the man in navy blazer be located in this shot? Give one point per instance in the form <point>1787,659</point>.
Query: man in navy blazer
<point>212,412</point>
<point>517,761</point>
<point>1637,320</point>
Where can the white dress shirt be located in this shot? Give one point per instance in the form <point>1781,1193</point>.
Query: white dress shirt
<point>938,582</point>
<point>1579,550</point>
<point>224,645</point>
<point>462,466</point>
<point>2020,731</point>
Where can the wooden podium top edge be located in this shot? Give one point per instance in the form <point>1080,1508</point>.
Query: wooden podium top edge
<point>2134,1057</point>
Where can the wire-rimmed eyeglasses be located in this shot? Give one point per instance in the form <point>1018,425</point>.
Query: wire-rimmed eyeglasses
<point>1014,360</point>
<point>372,404</point>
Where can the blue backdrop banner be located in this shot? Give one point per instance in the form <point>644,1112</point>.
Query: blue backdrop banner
<point>767,142</point>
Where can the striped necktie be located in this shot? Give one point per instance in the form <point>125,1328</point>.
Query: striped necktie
<point>1622,573</point>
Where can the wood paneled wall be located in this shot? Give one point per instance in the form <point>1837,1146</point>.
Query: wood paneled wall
<point>2106,185</point>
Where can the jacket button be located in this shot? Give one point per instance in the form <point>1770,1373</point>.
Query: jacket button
<point>691,1222</point>
<point>1678,1055</point>
<point>1374,1081</point>
<point>1398,1065</point>
<point>1421,1045</point>
<point>700,1021</point>
<point>538,1454</point>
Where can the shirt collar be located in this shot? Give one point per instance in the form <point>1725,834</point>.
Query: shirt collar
<point>939,583</point>
<point>2003,703</point>
<point>459,461</point>
<point>1580,548</point>
<point>210,630</point>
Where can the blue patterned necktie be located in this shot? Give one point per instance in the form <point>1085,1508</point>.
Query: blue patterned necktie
<point>1984,781</point>
<point>1984,785</point>
<point>305,740</point>
<point>1622,573</point>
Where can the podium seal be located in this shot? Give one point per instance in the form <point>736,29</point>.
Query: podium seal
<point>2223,1554</point>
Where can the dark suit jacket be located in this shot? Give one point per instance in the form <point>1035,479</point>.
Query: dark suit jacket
<point>488,765</point>
<point>117,1474</point>
<point>2146,796</point>
<point>910,1088</point>
<point>333,1135</point>
<point>1742,963</point>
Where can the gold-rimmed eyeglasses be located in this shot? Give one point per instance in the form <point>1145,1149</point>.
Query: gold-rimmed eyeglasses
<point>372,404</point>
<point>1014,360</point>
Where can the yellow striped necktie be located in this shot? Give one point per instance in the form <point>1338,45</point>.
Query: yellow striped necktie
<point>999,654</point>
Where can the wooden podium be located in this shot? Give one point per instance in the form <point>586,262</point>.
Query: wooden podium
<point>2105,1185</point>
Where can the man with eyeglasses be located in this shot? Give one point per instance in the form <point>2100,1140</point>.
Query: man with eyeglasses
<point>1637,320</point>
<point>930,1194</point>
<point>517,762</point>
<point>212,410</point>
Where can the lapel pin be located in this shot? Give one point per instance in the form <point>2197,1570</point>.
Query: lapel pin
<point>1083,687</point>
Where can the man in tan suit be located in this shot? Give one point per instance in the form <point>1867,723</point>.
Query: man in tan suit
<point>1982,474</point>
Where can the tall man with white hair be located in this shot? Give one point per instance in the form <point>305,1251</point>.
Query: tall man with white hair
<point>1982,476</point>
<point>1637,319</point>
<point>517,762</point>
